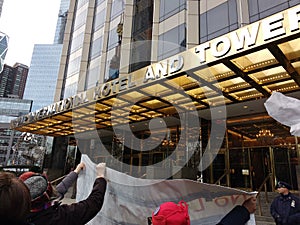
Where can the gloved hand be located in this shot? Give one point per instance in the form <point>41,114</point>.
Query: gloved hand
<point>250,204</point>
<point>278,220</point>
<point>79,167</point>
<point>100,169</point>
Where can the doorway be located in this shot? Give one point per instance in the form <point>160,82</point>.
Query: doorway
<point>260,167</point>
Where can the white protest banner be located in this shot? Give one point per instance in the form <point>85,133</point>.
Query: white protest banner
<point>285,110</point>
<point>131,201</point>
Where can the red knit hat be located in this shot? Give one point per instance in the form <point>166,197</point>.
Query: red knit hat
<point>40,188</point>
<point>170,213</point>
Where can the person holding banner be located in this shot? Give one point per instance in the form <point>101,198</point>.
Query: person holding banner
<point>240,214</point>
<point>170,213</point>
<point>44,212</point>
<point>14,200</point>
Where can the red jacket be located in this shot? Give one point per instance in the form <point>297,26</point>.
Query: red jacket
<point>75,214</point>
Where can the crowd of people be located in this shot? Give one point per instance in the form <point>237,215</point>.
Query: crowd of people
<point>39,203</point>
<point>31,199</point>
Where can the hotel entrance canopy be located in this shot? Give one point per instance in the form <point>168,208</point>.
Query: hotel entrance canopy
<point>244,66</point>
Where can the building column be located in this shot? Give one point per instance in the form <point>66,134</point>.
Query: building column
<point>243,13</point>
<point>192,23</point>
<point>58,157</point>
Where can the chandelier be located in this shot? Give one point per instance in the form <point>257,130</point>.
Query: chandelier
<point>265,136</point>
<point>168,142</point>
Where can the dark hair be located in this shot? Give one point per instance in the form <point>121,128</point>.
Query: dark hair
<point>14,198</point>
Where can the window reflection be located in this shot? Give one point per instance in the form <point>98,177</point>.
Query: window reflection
<point>92,77</point>
<point>96,48</point>
<point>112,39</point>
<point>169,8</point>
<point>218,20</point>
<point>113,65</point>
<point>117,8</point>
<point>70,90</point>
<point>80,19</point>
<point>259,9</point>
<point>73,66</point>
<point>141,35</point>
<point>99,19</point>
<point>172,42</point>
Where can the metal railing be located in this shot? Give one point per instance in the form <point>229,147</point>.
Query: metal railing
<point>263,185</point>
<point>226,172</point>
<point>54,182</point>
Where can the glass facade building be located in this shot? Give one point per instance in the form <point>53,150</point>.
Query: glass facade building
<point>61,22</point>
<point>10,109</point>
<point>3,49</point>
<point>42,76</point>
<point>1,4</point>
<point>146,63</point>
<point>45,63</point>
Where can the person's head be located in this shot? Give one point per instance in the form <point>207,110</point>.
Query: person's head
<point>41,190</point>
<point>170,213</point>
<point>283,187</point>
<point>14,199</point>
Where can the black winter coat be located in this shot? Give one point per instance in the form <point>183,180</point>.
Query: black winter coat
<point>75,214</point>
<point>239,215</point>
<point>285,210</point>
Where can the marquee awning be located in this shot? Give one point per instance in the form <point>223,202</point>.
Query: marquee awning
<point>247,64</point>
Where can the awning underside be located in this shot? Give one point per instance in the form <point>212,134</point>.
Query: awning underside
<point>229,81</point>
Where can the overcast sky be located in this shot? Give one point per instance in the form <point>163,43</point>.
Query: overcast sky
<point>27,22</point>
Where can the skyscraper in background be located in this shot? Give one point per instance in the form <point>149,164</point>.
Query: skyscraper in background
<point>61,21</point>
<point>13,80</point>
<point>44,67</point>
<point>1,4</point>
<point>3,47</point>
<point>3,43</point>
<point>11,108</point>
<point>42,74</point>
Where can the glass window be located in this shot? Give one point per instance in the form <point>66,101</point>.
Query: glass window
<point>70,90</point>
<point>140,55</point>
<point>98,2</point>
<point>259,9</point>
<point>80,19</point>
<point>172,42</point>
<point>73,66</point>
<point>218,21</point>
<point>96,48</point>
<point>77,42</point>
<point>113,38</point>
<point>81,3</point>
<point>169,8</point>
<point>99,19</point>
<point>92,77</point>
<point>117,8</point>
<point>112,65</point>
<point>239,161</point>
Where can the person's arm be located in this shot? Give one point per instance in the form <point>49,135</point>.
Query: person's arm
<point>68,181</point>
<point>83,211</point>
<point>240,214</point>
<point>295,217</point>
<point>237,216</point>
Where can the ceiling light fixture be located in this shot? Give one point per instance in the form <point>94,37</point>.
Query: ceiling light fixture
<point>265,136</point>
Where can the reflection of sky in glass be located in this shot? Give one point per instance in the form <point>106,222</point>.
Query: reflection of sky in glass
<point>6,119</point>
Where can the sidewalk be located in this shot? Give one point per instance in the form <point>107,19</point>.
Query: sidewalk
<point>67,199</point>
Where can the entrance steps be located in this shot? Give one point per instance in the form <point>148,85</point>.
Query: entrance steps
<point>265,218</point>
